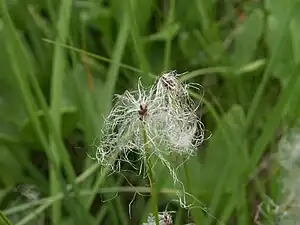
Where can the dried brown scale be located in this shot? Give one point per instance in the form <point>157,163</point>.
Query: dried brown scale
<point>143,111</point>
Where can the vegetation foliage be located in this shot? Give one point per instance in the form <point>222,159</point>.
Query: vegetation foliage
<point>62,62</point>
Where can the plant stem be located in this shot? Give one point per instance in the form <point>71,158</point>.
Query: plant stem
<point>188,180</point>
<point>150,176</point>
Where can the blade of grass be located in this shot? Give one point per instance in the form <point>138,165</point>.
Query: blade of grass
<point>274,119</point>
<point>269,131</point>
<point>85,102</point>
<point>62,154</point>
<point>51,10</point>
<point>102,58</point>
<point>202,9</point>
<point>114,68</point>
<point>32,170</point>
<point>240,205</point>
<point>84,58</point>
<point>101,215</point>
<point>189,189</point>
<point>120,209</point>
<point>4,220</point>
<point>82,177</point>
<point>271,125</point>
<point>20,64</point>
<point>168,45</point>
<point>253,66</point>
<point>14,47</point>
<point>20,67</point>
<point>119,206</point>
<point>59,64</point>
<point>136,37</point>
<point>47,202</point>
<point>253,109</point>
<point>272,62</point>
<point>229,144</point>
<point>110,86</point>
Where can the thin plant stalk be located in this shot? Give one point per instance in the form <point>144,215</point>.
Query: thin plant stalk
<point>150,176</point>
<point>188,180</point>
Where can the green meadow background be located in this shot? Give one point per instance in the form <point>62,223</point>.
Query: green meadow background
<point>61,62</point>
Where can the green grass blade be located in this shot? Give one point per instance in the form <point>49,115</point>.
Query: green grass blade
<point>110,86</point>
<point>113,70</point>
<point>18,60</point>
<point>275,118</point>
<point>63,155</point>
<point>58,72</point>
<point>136,37</point>
<point>4,220</point>
<point>99,57</point>
<point>272,62</point>
<point>168,45</point>
<point>268,132</point>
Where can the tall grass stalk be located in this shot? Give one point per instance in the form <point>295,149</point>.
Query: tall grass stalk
<point>59,64</point>
<point>151,177</point>
<point>189,189</point>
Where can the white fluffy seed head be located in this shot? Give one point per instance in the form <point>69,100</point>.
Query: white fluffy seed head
<point>165,113</point>
<point>289,160</point>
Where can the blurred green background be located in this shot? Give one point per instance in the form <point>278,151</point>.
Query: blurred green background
<point>61,62</point>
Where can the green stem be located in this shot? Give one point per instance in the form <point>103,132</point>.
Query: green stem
<point>188,181</point>
<point>150,176</point>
